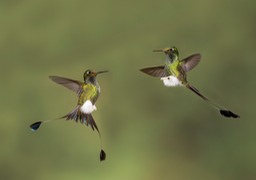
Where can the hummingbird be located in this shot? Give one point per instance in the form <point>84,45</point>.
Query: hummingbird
<point>88,92</point>
<point>174,73</point>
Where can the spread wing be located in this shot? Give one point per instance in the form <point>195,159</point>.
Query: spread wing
<point>157,71</point>
<point>191,62</point>
<point>71,84</point>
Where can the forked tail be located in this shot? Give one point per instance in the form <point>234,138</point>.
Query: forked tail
<point>87,119</point>
<point>76,115</point>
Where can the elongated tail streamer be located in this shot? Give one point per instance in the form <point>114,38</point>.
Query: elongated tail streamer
<point>223,112</point>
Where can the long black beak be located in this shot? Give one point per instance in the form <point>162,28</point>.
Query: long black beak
<point>100,72</point>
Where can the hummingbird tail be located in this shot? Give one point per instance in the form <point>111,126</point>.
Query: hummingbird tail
<point>78,115</point>
<point>223,111</point>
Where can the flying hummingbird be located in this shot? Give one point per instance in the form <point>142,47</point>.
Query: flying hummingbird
<point>88,93</point>
<point>174,73</point>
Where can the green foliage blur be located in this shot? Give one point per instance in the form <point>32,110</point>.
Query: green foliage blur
<point>149,131</point>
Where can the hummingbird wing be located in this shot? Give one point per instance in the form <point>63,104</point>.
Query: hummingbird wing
<point>71,84</point>
<point>191,62</point>
<point>157,71</point>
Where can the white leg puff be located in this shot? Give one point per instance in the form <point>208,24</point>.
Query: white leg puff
<point>88,107</point>
<point>171,81</point>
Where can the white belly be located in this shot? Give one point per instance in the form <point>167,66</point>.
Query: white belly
<point>88,107</point>
<point>171,81</point>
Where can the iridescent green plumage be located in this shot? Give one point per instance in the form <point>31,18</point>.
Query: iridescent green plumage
<point>88,92</point>
<point>174,73</point>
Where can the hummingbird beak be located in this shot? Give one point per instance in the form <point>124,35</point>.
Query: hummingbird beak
<point>100,72</point>
<point>158,50</point>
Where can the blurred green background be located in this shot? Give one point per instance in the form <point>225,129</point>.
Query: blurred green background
<point>149,131</point>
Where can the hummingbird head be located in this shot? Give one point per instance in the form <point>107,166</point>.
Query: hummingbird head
<point>169,51</point>
<point>90,74</point>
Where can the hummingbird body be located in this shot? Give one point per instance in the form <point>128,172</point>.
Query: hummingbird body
<point>174,73</point>
<point>87,100</point>
<point>88,92</point>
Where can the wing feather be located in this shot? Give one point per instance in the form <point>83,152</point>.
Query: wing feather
<point>157,71</point>
<point>71,84</point>
<point>191,62</point>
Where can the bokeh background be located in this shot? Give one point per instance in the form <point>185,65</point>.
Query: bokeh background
<point>149,131</point>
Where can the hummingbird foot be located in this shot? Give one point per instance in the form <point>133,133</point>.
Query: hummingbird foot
<point>88,107</point>
<point>171,81</point>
